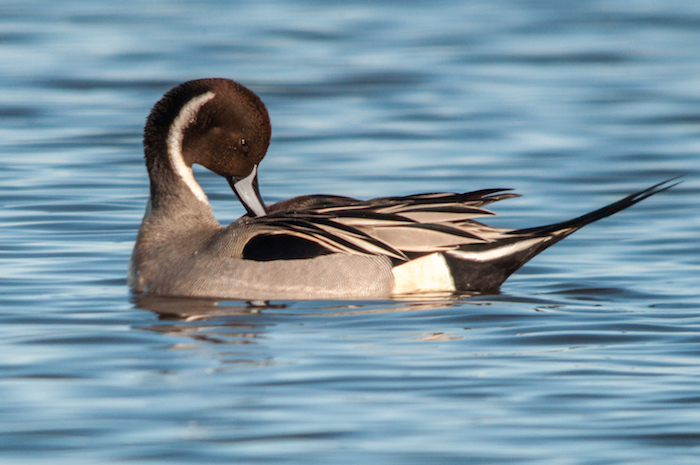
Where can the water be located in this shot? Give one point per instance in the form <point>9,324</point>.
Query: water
<point>589,355</point>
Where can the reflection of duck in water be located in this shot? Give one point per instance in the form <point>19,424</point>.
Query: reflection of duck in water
<point>309,247</point>
<point>178,309</point>
<point>235,322</point>
<point>173,308</point>
<point>204,319</point>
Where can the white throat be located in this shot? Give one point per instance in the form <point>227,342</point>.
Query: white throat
<point>187,116</point>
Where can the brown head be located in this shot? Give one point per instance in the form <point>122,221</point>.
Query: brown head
<point>216,123</point>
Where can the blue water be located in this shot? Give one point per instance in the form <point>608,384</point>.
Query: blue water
<point>589,355</point>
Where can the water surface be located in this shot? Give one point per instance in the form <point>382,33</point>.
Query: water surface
<point>589,355</point>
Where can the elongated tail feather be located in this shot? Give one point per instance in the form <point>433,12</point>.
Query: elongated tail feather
<point>486,266</point>
<point>581,221</point>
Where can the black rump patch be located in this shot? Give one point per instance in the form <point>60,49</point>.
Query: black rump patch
<point>281,247</point>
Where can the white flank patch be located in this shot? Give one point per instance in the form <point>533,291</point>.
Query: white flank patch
<point>425,274</point>
<point>498,252</point>
<point>187,116</point>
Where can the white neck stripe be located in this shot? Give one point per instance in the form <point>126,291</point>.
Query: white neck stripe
<point>187,116</point>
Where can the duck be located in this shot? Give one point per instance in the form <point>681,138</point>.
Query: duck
<point>313,246</point>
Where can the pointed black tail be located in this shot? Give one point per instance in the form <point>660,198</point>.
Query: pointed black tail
<point>485,267</point>
<point>577,223</point>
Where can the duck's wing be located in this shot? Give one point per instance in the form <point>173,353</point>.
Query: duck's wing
<point>306,202</point>
<point>479,257</point>
<point>397,227</point>
<point>444,226</point>
<point>433,222</point>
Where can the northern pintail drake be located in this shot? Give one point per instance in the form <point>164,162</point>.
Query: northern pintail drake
<point>309,247</point>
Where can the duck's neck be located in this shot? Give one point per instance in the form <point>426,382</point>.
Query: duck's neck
<point>174,191</point>
<point>172,195</point>
<point>173,202</point>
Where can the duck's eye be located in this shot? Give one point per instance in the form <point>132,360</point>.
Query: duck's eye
<point>243,144</point>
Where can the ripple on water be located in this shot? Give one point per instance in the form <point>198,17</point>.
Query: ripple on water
<point>587,355</point>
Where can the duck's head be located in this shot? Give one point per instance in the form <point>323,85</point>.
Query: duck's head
<point>216,123</point>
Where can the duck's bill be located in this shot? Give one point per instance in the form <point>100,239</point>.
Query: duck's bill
<point>248,193</point>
